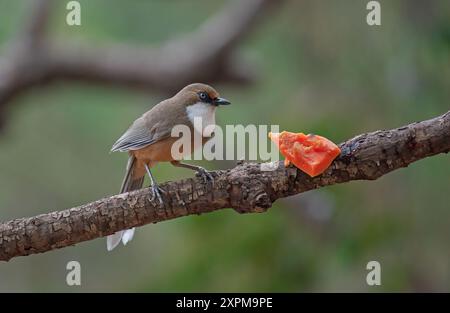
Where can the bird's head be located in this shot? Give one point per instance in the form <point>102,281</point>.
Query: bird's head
<point>201,93</point>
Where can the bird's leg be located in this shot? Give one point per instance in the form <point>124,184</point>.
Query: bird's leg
<point>207,177</point>
<point>156,190</point>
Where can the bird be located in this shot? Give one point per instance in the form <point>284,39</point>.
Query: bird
<point>148,141</point>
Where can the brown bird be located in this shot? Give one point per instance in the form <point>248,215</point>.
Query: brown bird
<point>149,141</point>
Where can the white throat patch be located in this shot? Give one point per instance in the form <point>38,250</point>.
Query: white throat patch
<point>204,112</point>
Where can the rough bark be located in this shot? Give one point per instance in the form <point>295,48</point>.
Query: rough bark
<point>249,187</point>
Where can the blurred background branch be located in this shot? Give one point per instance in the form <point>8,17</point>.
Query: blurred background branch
<point>36,24</point>
<point>247,188</point>
<point>206,55</point>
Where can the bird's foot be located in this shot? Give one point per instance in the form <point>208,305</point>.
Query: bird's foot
<point>156,193</point>
<point>207,177</point>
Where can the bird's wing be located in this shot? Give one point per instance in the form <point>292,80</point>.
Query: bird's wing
<point>140,135</point>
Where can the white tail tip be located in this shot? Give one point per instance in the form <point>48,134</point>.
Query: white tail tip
<point>127,236</point>
<point>113,240</point>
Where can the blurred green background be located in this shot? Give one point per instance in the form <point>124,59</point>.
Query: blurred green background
<point>322,69</point>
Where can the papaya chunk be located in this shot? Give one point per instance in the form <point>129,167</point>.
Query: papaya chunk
<point>312,154</point>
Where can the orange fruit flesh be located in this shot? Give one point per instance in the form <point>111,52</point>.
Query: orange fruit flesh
<point>313,154</point>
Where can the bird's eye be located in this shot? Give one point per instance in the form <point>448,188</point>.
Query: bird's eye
<point>203,96</point>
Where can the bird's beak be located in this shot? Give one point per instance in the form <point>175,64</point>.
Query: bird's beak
<point>221,101</point>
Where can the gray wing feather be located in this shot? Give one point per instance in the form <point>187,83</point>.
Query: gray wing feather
<point>150,128</point>
<point>138,136</point>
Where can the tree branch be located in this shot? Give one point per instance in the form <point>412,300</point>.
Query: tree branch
<point>36,24</point>
<point>249,187</point>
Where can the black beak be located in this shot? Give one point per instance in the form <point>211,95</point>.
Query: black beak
<point>221,101</point>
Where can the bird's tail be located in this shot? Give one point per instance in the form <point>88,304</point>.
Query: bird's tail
<point>129,183</point>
